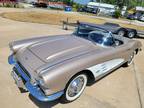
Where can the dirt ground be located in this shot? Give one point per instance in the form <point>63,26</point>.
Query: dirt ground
<point>121,89</point>
<point>56,17</point>
<point>51,17</point>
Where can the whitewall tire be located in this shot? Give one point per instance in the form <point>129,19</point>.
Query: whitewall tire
<point>75,88</point>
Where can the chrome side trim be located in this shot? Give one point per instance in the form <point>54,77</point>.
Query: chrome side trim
<point>105,67</point>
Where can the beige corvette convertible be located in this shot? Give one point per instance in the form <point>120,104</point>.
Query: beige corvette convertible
<point>55,67</point>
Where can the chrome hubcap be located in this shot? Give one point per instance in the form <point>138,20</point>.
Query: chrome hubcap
<point>121,33</point>
<point>76,86</point>
<point>131,34</point>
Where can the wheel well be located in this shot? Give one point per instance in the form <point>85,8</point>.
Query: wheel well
<point>122,29</point>
<point>135,32</point>
<point>90,76</point>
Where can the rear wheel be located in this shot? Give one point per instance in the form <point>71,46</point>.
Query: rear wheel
<point>131,34</point>
<point>74,88</point>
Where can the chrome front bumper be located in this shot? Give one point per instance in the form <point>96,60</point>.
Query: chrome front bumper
<point>35,90</point>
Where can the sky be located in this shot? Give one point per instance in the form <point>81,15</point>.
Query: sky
<point>82,1</point>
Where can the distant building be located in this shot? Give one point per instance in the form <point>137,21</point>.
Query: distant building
<point>139,8</point>
<point>104,8</point>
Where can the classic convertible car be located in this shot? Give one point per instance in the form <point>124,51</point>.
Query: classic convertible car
<point>61,66</point>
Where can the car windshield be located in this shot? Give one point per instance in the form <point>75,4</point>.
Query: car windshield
<point>83,30</point>
<point>95,34</point>
<point>104,39</point>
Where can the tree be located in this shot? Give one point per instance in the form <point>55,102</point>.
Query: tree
<point>120,4</point>
<point>68,2</point>
<point>109,1</point>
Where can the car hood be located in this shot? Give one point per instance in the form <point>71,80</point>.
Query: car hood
<point>60,48</point>
<point>53,51</point>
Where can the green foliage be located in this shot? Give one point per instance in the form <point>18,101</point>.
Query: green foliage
<point>117,13</point>
<point>76,6</point>
<point>120,4</point>
<point>107,1</point>
<point>68,2</point>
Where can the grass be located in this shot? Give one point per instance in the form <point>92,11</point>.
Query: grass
<point>48,18</point>
<point>55,18</point>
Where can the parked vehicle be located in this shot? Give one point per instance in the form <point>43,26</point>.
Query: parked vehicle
<point>141,18</point>
<point>134,16</point>
<point>115,29</point>
<point>61,66</point>
<point>89,10</point>
<point>42,5</point>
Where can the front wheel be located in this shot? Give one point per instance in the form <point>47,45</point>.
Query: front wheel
<point>121,32</point>
<point>74,88</point>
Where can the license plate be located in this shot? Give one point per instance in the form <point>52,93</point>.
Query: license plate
<point>18,80</point>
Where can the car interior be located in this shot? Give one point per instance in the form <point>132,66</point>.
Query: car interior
<point>97,35</point>
<point>104,39</point>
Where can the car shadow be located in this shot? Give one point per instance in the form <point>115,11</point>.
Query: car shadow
<point>43,104</point>
<point>140,37</point>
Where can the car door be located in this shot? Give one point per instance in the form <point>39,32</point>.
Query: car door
<point>112,58</point>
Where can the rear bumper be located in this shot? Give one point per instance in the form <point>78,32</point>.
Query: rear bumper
<point>33,89</point>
